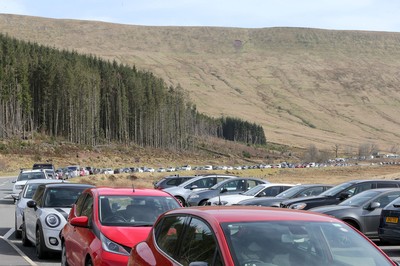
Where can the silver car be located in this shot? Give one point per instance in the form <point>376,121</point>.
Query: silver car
<point>23,197</point>
<point>182,192</point>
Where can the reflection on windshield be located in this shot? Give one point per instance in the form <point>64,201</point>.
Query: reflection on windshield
<point>359,199</point>
<point>333,191</point>
<point>254,190</point>
<point>290,192</point>
<point>300,243</point>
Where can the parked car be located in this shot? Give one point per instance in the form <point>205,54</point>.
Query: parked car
<point>23,197</point>
<point>338,193</point>
<point>73,170</point>
<point>186,168</point>
<point>254,236</point>
<point>225,187</point>
<point>43,166</point>
<point>363,210</point>
<point>46,214</point>
<point>23,177</point>
<point>105,223</point>
<point>182,191</point>
<point>305,190</point>
<point>171,181</point>
<point>389,226</point>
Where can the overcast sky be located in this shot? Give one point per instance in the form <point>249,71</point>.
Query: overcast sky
<point>375,15</point>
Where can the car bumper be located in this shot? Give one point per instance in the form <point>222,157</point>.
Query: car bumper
<point>52,239</point>
<point>110,259</point>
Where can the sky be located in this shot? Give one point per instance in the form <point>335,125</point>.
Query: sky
<point>373,15</point>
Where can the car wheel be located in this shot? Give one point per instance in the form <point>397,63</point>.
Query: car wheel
<point>203,202</point>
<point>40,245</point>
<point>89,262</point>
<point>18,233</point>
<point>181,201</point>
<point>63,255</point>
<point>25,241</point>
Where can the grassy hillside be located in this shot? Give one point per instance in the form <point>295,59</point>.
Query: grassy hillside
<point>305,86</point>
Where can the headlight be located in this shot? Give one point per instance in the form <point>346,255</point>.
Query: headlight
<point>111,246</point>
<point>298,206</point>
<point>19,187</point>
<point>52,220</point>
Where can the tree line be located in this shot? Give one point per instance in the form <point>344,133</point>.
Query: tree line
<point>88,100</point>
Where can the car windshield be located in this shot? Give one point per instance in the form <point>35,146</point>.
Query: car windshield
<point>253,191</point>
<point>335,190</point>
<point>132,210</point>
<point>360,199</point>
<point>62,196</point>
<point>300,243</point>
<point>31,175</point>
<point>290,192</point>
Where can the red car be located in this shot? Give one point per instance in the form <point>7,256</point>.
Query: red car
<point>105,223</point>
<point>253,236</point>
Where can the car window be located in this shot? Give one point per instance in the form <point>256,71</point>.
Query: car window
<point>270,191</point>
<point>200,244</point>
<point>386,184</point>
<point>168,232</point>
<point>38,196</point>
<point>61,196</point>
<point>173,181</point>
<point>387,198</point>
<point>87,209</point>
<point>79,204</point>
<point>313,191</point>
<point>358,188</point>
<point>234,185</point>
<point>30,190</point>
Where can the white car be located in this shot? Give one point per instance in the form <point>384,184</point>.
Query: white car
<point>46,214</point>
<point>23,177</point>
<point>182,191</point>
<point>263,190</point>
<point>186,168</point>
<point>26,195</point>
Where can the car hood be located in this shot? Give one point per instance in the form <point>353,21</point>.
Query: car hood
<point>126,235</point>
<point>331,208</point>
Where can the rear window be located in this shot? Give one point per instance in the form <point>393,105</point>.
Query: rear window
<point>28,176</point>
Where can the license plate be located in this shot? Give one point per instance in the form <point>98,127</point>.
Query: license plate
<point>393,220</point>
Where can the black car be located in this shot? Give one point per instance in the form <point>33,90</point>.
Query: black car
<point>338,193</point>
<point>389,224</point>
<point>306,190</point>
<point>230,186</point>
<point>363,210</point>
<point>171,181</point>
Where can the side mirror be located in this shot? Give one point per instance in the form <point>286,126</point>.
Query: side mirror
<point>374,205</point>
<point>14,181</point>
<point>31,204</point>
<point>193,187</point>
<point>224,190</point>
<point>81,221</point>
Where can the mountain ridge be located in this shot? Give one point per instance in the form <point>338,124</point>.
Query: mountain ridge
<point>304,86</point>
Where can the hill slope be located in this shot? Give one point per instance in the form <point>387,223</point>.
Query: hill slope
<point>305,86</point>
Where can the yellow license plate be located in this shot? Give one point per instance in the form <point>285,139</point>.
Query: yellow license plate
<point>393,220</point>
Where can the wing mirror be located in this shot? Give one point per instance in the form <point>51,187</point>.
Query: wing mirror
<point>80,221</point>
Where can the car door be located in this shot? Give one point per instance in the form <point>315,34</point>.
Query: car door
<point>31,214</point>
<point>80,237</point>
<point>371,217</point>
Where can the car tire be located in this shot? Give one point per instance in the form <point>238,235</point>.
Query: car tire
<point>18,233</point>
<point>25,241</point>
<point>89,262</point>
<point>203,202</point>
<point>181,201</point>
<point>40,245</point>
<point>63,255</point>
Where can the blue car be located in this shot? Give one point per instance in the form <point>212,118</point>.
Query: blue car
<point>389,226</point>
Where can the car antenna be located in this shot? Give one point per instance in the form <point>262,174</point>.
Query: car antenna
<point>133,188</point>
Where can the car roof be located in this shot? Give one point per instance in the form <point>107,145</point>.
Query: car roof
<point>222,214</point>
<point>45,181</point>
<point>32,170</point>
<point>62,184</point>
<point>204,176</point>
<point>110,191</point>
